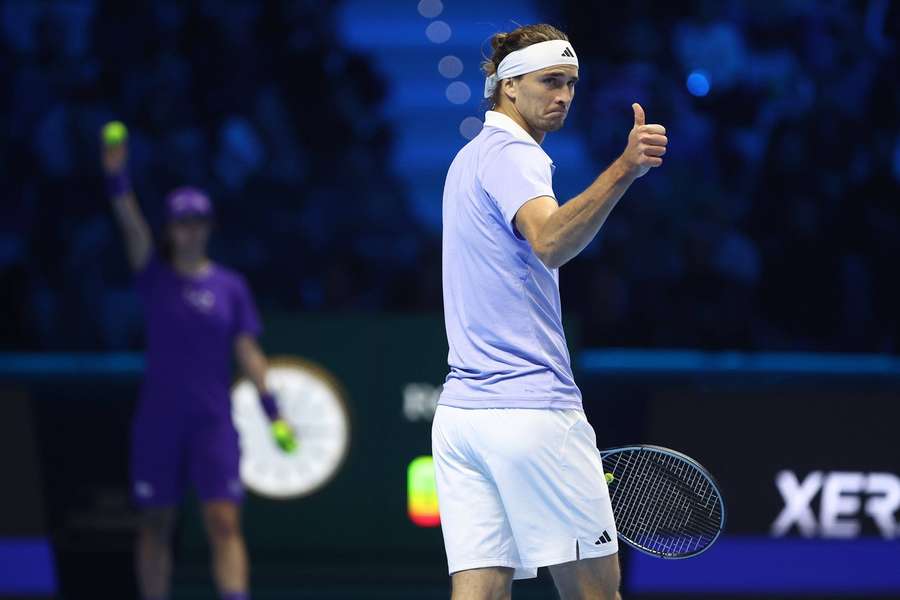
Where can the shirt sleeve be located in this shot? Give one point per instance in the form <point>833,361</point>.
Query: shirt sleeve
<point>518,173</point>
<point>246,317</point>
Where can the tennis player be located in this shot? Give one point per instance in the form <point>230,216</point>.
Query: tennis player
<point>519,477</point>
<point>197,314</point>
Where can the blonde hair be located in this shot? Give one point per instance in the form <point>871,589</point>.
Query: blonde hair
<point>522,37</point>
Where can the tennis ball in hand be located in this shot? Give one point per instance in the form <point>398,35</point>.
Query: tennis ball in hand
<point>284,436</point>
<point>610,478</point>
<point>114,133</point>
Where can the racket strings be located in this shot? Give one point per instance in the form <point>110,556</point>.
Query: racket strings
<point>638,480</point>
<point>663,503</point>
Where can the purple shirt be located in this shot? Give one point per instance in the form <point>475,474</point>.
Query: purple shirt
<point>192,323</point>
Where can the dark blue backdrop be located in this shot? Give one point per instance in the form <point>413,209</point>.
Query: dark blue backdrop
<point>323,131</point>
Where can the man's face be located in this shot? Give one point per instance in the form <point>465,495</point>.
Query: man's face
<point>543,97</point>
<point>190,236</point>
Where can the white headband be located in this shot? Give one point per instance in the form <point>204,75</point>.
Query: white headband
<point>529,59</point>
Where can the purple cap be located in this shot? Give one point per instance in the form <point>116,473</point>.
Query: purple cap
<point>188,203</point>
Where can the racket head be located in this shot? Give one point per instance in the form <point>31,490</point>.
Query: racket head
<point>666,504</point>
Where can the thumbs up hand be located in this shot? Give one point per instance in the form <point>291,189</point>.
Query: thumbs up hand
<point>646,145</point>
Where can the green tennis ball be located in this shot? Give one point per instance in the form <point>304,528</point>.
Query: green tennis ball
<point>114,133</point>
<point>284,436</point>
<point>610,478</point>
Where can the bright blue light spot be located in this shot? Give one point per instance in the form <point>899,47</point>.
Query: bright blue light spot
<point>698,83</point>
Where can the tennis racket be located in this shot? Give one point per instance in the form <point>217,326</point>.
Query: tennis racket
<point>665,503</point>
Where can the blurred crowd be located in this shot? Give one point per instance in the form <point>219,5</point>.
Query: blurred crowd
<point>774,223</point>
<point>255,102</point>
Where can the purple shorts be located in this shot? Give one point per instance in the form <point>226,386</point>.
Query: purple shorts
<point>167,454</point>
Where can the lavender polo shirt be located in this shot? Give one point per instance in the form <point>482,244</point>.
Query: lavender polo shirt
<point>501,303</point>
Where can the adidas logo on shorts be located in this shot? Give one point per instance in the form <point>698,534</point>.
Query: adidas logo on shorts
<point>603,539</point>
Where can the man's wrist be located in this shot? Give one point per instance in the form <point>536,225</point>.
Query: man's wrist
<point>623,171</point>
<point>269,405</point>
<point>118,184</point>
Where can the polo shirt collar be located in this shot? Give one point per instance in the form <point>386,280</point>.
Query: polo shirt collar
<point>493,118</point>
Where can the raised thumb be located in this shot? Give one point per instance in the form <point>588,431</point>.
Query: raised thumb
<point>638,114</point>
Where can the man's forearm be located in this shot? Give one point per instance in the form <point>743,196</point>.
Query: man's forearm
<point>574,224</point>
<point>255,366</point>
<point>138,239</point>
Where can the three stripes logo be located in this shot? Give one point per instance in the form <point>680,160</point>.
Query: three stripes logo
<point>603,539</point>
<point>568,52</point>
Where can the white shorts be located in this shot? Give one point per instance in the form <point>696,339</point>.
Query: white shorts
<point>521,488</point>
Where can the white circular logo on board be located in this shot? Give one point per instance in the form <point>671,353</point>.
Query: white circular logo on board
<point>309,399</point>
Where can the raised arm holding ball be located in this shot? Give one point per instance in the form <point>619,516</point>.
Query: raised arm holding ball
<point>197,314</point>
